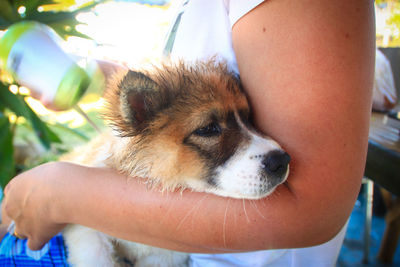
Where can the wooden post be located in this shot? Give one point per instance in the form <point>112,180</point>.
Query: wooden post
<point>392,233</point>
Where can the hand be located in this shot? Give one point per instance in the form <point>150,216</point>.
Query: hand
<point>28,201</point>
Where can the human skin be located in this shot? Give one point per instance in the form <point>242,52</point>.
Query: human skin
<point>307,66</point>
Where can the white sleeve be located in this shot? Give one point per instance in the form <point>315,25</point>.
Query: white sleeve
<point>239,8</point>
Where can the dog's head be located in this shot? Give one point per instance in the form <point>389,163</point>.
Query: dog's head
<point>189,126</point>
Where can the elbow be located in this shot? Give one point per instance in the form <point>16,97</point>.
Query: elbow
<point>322,229</point>
<point>284,236</point>
<point>324,234</point>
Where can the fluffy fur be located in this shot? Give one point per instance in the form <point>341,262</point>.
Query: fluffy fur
<point>177,126</point>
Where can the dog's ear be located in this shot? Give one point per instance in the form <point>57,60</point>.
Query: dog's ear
<point>110,68</point>
<point>140,99</point>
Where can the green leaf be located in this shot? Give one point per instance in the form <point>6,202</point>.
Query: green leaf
<point>63,22</point>
<point>7,164</point>
<point>66,28</point>
<point>51,17</point>
<point>17,104</point>
<point>2,87</point>
<point>72,131</point>
<point>4,24</point>
<point>7,12</point>
<point>32,5</point>
<point>46,136</point>
<point>54,17</point>
<point>13,102</point>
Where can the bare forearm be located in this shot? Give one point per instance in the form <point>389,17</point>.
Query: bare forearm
<point>188,221</point>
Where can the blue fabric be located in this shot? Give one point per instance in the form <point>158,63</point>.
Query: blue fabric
<point>15,252</point>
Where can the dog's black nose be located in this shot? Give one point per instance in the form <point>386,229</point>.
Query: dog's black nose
<point>275,163</point>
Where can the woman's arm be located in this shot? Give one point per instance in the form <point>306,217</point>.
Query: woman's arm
<point>307,67</point>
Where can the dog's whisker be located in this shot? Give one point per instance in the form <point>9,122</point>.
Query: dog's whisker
<point>192,210</point>
<point>263,201</point>
<point>224,225</point>
<point>245,212</point>
<point>256,208</point>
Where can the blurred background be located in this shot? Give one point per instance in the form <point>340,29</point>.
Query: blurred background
<point>387,23</point>
<point>132,33</point>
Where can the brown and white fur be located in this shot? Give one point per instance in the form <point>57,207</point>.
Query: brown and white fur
<point>177,126</point>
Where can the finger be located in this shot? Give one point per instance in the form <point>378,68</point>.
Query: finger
<point>17,233</point>
<point>5,219</point>
<point>9,211</point>
<point>19,236</point>
<point>7,188</point>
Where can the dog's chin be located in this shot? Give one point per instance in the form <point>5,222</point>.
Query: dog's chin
<point>254,195</point>
<point>244,187</point>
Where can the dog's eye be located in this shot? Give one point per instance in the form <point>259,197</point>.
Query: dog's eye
<point>213,129</point>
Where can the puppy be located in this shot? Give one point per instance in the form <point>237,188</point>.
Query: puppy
<point>177,126</point>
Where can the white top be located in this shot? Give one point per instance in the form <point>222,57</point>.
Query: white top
<point>205,30</point>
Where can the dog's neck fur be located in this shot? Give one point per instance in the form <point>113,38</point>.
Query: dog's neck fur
<point>132,157</point>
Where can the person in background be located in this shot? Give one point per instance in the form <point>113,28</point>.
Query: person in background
<point>307,67</point>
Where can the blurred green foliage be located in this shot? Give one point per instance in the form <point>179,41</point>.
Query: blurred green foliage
<point>395,17</point>
<point>60,15</point>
